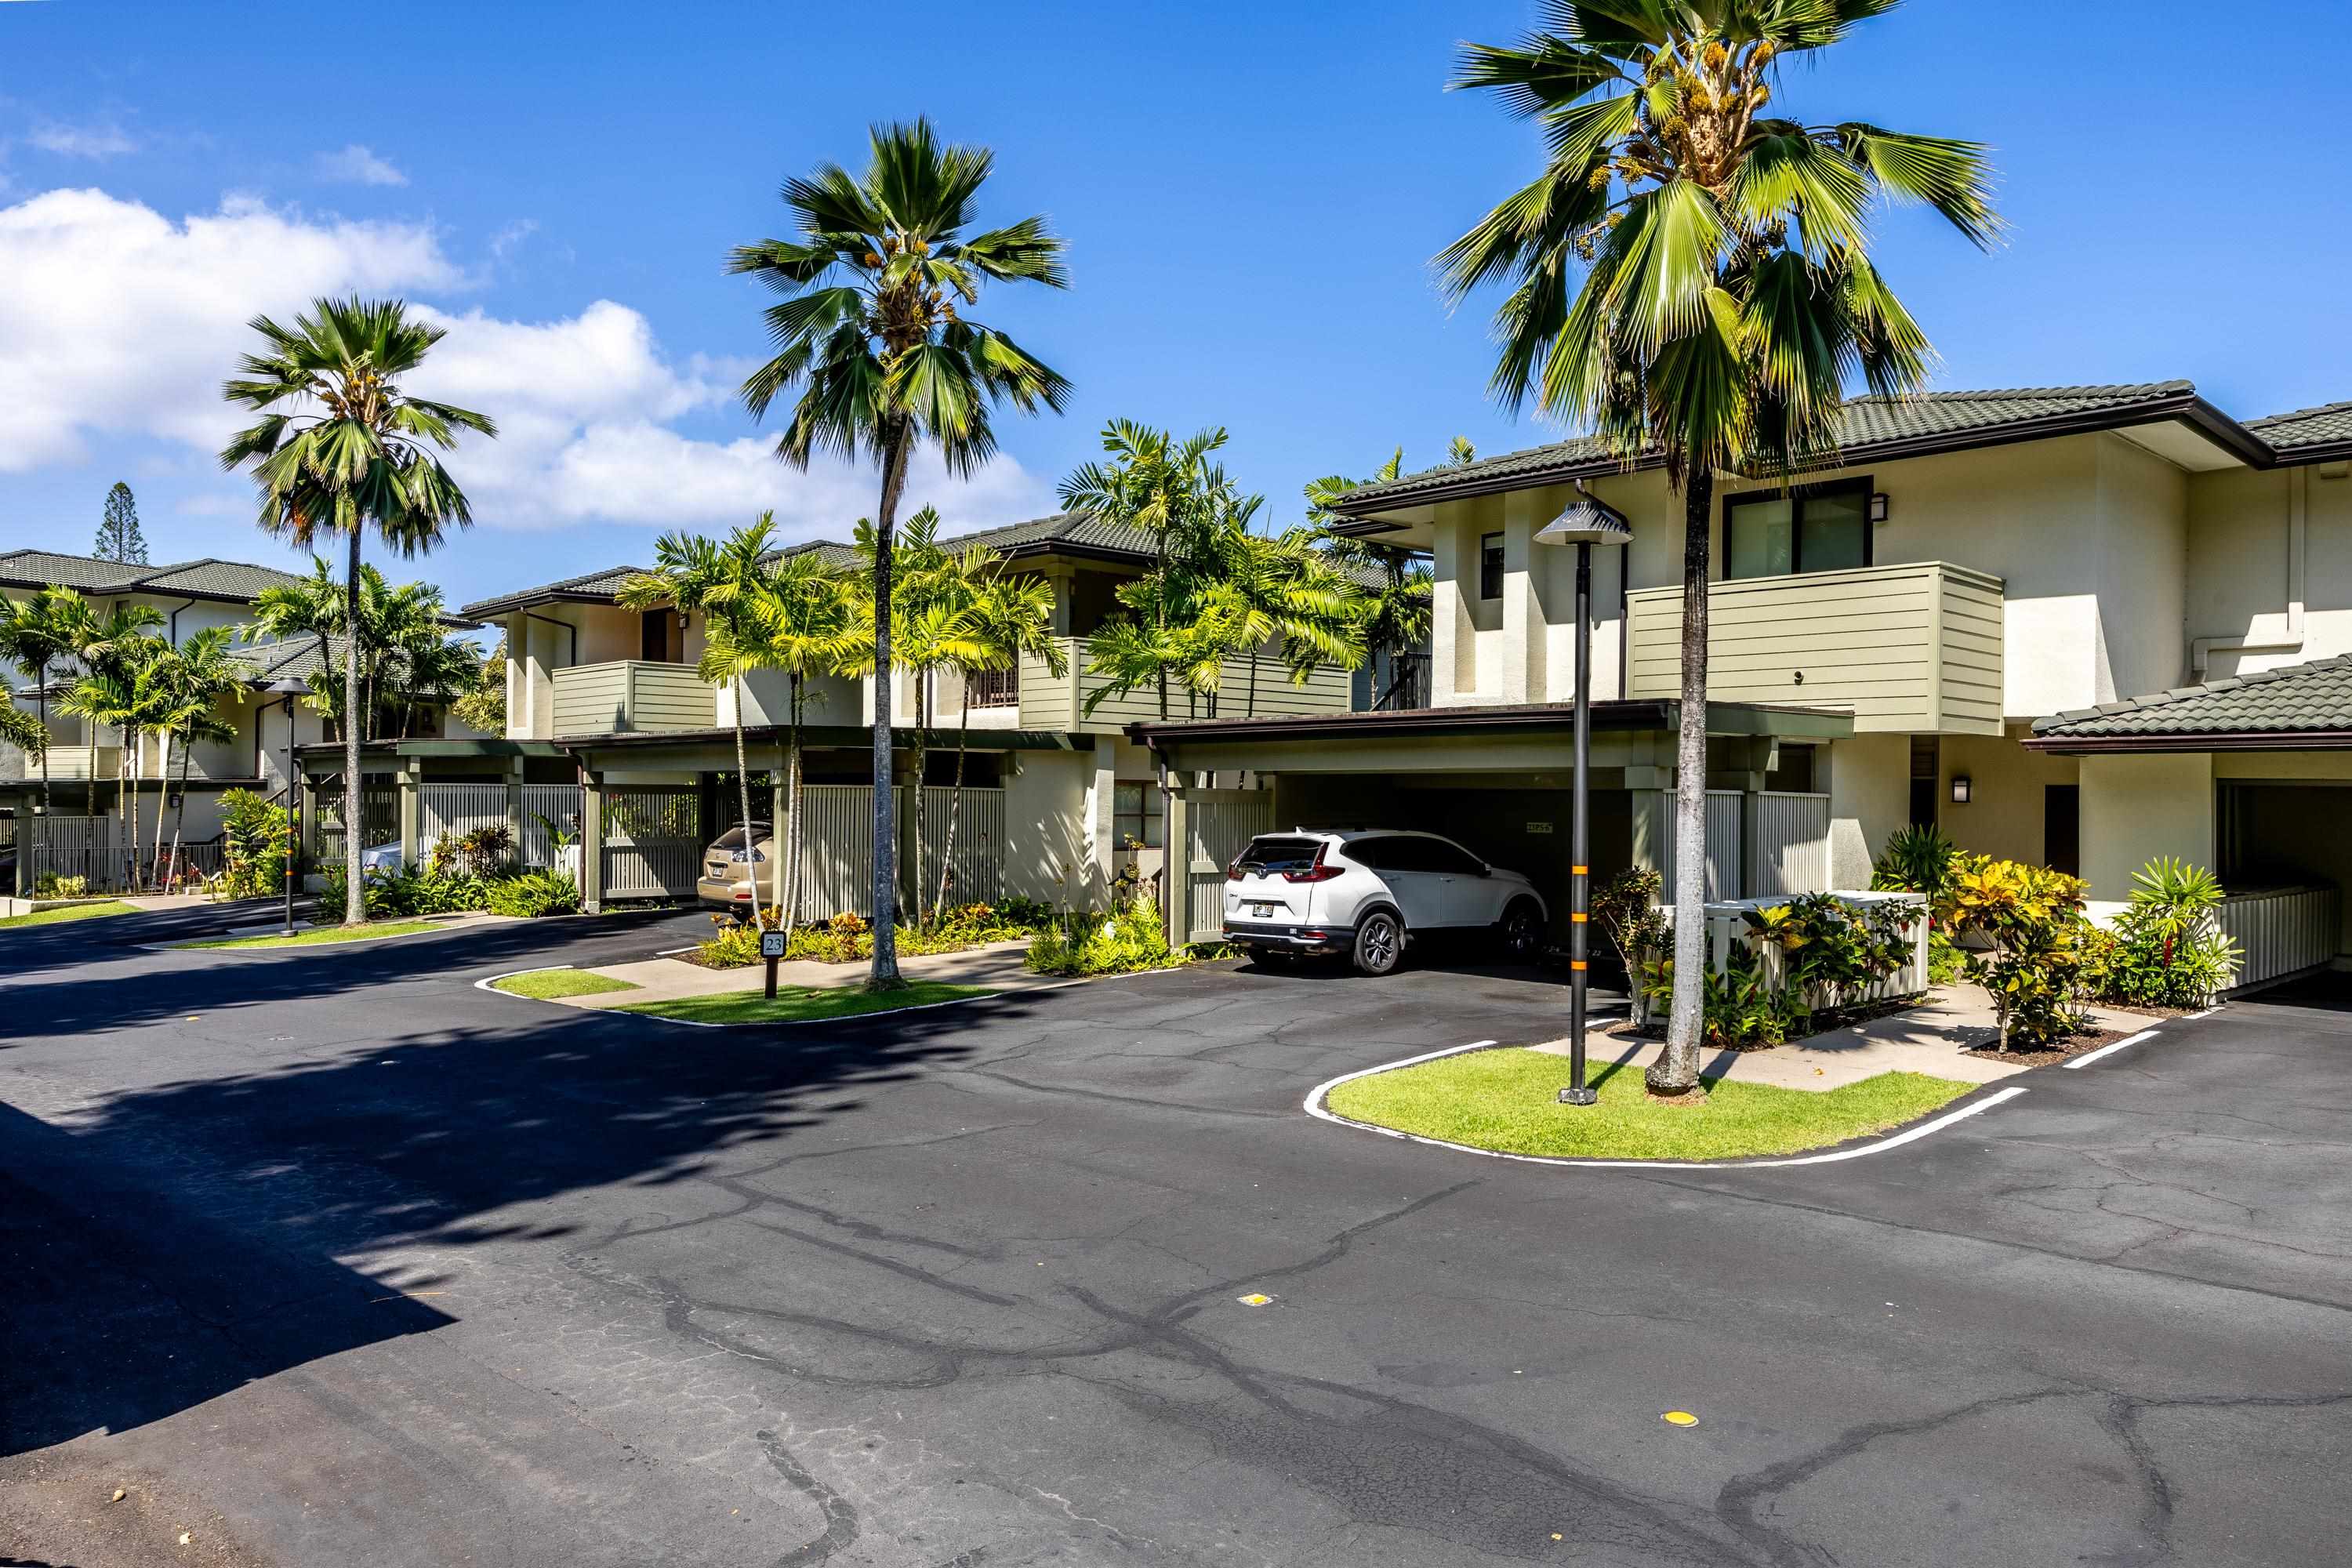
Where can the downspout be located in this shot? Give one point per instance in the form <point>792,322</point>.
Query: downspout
<point>172,627</point>
<point>2201,649</point>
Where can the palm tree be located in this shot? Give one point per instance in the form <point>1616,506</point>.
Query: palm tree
<point>1726,293</point>
<point>1012,617</point>
<point>803,617</point>
<point>312,607</point>
<point>118,689</point>
<point>22,729</point>
<point>48,629</point>
<point>869,333</point>
<point>1394,587</point>
<point>340,448</point>
<point>714,579</point>
<point>1294,595</point>
<point>192,678</point>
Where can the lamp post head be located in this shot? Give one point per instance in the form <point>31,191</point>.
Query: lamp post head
<point>1589,520</point>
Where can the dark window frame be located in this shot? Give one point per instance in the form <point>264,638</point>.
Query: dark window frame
<point>1149,817</point>
<point>1490,571</point>
<point>1798,495</point>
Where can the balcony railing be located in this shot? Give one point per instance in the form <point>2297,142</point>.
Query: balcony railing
<point>632,696</point>
<point>1915,647</point>
<point>997,689</point>
<point>1048,703</point>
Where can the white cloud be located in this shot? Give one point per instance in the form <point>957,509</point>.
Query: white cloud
<point>120,323</point>
<point>358,166</point>
<point>102,140</point>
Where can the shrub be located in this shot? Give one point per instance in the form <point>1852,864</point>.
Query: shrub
<point>2035,970</point>
<point>1129,939</point>
<point>50,885</point>
<point>482,852</point>
<point>1626,906</point>
<point>255,836</point>
<point>1741,1011</point>
<point>1917,859</point>
<point>534,895</point>
<point>2167,949</point>
<point>1943,958</point>
<point>1834,950</point>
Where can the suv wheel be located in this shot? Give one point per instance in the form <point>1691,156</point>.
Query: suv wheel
<point>1522,931</point>
<point>1380,944</point>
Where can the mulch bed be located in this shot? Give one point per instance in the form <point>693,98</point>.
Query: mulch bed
<point>1834,1018</point>
<point>2073,1046</point>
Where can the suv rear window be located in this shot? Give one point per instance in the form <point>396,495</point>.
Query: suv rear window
<point>733,837</point>
<point>1276,854</point>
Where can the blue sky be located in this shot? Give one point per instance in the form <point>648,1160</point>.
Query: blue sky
<point>1250,193</point>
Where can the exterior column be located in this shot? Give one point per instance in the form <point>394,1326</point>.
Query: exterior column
<point>309,847</point>
<point>778,799</point>
<point>591,843</point>
<point>1101,801</point>
<point>412,815</point>
<point>1176,861</point>
<point>514,809</point>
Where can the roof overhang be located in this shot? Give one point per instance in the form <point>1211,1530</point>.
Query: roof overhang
<point>2237,741</point>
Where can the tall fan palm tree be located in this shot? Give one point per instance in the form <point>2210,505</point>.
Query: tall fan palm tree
<point>803,618</point>
<point>340,448</point>
<point>191,680</point>
<point>1012,618</point>
<point>1690,278</point>
<point>870,335</point>
<point>714,579</point>
<point>47,629</point>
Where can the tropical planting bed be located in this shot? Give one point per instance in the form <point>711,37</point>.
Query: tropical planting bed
<point>798,1005</point>
<point>1505,1099</point>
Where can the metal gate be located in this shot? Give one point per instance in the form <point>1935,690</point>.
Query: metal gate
<point>1787,843</point>
<point>454,810</point>
<point>378,818</point>
<point>837,848</point>
<point>1218,826</point>
<point>653,841</point>
<point>546,804</point>
<point>71,847</point>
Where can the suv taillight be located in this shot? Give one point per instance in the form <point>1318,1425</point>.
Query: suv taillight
<point>1318,872</point>
<point>1233,871</point>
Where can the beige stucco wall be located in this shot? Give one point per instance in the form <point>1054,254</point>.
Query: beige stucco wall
<point>1870,799</point>
<point>1050,852</point>
<point>2005,813</point>
<point>2136,808</point>
<point>2241,561</point>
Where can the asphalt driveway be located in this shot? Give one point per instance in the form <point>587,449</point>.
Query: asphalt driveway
<point>333,1259</point>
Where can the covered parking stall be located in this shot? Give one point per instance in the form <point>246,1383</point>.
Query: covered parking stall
<point>1497,780</point>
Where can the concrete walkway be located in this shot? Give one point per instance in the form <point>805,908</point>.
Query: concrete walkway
<point>997,965</point>
<point>1932,1038</point>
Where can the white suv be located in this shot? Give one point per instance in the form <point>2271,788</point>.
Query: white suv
<point>1368,893</point>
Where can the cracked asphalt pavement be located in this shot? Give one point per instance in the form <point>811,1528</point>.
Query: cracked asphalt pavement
<point>329,1257</point>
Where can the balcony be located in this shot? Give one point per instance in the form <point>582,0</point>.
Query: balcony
<point>80,763</point>
<point>1047,702</point>
<point>631,696</point>
<point>1912,648</point>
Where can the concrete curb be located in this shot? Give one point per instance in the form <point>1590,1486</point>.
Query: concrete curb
<point>490,982</point>
<point>1314,1106</point>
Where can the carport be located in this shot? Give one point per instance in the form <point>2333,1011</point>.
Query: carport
<point>1497,779</point>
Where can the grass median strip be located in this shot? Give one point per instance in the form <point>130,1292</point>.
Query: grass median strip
<point>322,936</point>
<point>1504,1100</point>
<point>546,984</point>
<point>70,912</point>
<point>799,1005</point>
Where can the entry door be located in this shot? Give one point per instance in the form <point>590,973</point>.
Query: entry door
<point>2062,828</point>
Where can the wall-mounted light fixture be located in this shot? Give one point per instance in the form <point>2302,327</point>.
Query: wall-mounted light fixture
<point>1878,506</point>
<point>1959,789</point>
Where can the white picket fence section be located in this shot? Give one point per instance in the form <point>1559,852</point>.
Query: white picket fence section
<point>454,810</point>
<point>542,804</point>
<point>1728,929</point>
<point>2282,932</point>
<point>1788,844</point>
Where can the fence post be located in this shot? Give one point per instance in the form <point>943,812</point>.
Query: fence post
<point>514,809</point>
<point>591,843</point>
<point>407,783</point>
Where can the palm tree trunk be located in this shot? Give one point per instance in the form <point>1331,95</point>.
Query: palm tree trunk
<point>41,699</point>
<point>179,816</point>
<point>882,973</point>
<point>792,840</point>
<point>955,801</point>
<point>130,804</point>
<point>1676,1071</point>
<point>743,791</point>
<point>354,892</point>
<point>162,798</point>
<point>1251,711</point>
<point>922,756</point>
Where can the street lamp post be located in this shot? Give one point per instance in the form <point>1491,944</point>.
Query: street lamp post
<point>289,688</point>
<point>1587,522</point>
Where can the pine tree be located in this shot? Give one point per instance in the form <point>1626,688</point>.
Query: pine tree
<point>119,538</point>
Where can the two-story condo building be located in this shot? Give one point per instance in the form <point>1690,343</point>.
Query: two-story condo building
<point>1058,806</point>
<point>1947,627</point>
<point>85,763</point>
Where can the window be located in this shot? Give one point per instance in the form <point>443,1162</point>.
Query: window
<point>1795,773</point>
<point>1453,859</point>
<point>1276,854</point>
<point>1490,565</point>
<point>1135,816</point>
<point>1818,528</point>
<point>1926,773</point>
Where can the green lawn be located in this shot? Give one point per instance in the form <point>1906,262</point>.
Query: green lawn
<point>545,984</point>
<point>794,1005</point>
<point>70,913</point>
<point>323,936</point>
<point>1505,1099</point>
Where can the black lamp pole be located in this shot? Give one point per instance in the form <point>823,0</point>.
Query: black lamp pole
<point>1586,522</point>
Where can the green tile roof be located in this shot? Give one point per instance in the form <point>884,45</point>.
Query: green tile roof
<point>233,582</point>
<point>2325,426</point>
<point>1075,530</point>
<point>1866,425</point>
<point>2301,698</point>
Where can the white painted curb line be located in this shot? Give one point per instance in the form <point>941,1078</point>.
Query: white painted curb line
<point>1315,1108</point>
<point>2087,1057</point>
<point>490,984</point>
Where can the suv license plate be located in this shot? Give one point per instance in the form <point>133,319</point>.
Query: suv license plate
<point>1262,911</point>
